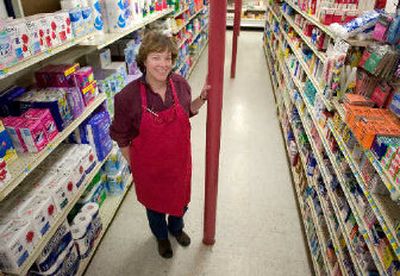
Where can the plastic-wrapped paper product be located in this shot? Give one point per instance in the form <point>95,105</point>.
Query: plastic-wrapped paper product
<point>356,26</point>
<point>98,21</point>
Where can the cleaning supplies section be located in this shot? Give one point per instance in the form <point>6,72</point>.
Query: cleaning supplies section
<point>336,89</point>
<point>62,178</point>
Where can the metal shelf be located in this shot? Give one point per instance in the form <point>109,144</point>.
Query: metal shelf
<point>58,221</point>
<point>181,12</point>
<point>324,28</point>
<point>306,69</point>
<point>319,54</point>
<point>101,41</point>
<point>383,208</point>
<point>197,58</point>
<point>26,163</point>
<point>187,22</point>
<point>107,212</point>
<point>32,60</point>
<point>273,13</point>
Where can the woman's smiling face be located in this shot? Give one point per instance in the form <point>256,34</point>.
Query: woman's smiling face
<point>159,65</point>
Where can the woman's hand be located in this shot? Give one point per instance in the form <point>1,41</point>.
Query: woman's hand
<point>204,92</point>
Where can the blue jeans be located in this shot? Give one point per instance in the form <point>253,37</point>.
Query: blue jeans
<point>159,227</point>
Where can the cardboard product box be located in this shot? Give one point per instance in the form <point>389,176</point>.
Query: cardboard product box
<point>36,45</point>
<point>19,34</point>
<point>8,55</point>
<point>7,149</point>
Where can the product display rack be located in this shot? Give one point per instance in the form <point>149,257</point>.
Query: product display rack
<point>107,212</point>
<point>27,162</point>
<point>197,58</point>
<point>385,210</point>
<point>250,16</point>
<point>32,60</point>
<point>58,221</point>
<point>187,22</point>
<point>101,41</point>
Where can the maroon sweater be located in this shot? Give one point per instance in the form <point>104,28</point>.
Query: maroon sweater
<point>128,107</point>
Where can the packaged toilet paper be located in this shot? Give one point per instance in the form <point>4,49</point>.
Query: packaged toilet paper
<point>8,55</point>
<point>33,27</point>
<point>92,209</point>
<point>17,240</point>
<point>117,15</point>
<point>77,24</point>
<point>58,244</point>
<point>63,27</point>
<point>19,34</point>
<point>97,15</point>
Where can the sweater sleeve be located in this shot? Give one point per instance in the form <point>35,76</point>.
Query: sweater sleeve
<point>122,129</point>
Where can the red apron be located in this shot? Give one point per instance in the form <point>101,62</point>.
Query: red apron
<point>161,159</point>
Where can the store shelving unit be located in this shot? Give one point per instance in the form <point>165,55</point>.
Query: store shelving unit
<point>107,213</point>
<point>385,210</point>
<point>196,59</point>
<point>58,221</point>
<point>101,41</point>
<point>26,163</point>
<point>32,60</point>
<point>181,12</point>
<point>187,22</point>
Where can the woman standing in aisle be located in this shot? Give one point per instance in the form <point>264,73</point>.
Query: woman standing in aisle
<point>152,128</point>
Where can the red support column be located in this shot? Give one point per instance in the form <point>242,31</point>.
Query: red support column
<point>216,60</point>
<point>236,31</point>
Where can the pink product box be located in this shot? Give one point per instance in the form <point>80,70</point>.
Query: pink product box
<point>63,26</point>
<point>35,44</point>
<point>12,125</point>
<point>19,34</point>
<point>89,93</point>
<point>44,116</point>
<point>84,76</point>
<point>34,135</point>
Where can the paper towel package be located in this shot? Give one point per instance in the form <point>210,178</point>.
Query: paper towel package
<point>97,15</point>
<point>80,229</point>
<point>12,125</point>
<point>63,26</point>
<point>116,182</point>
<point>17,240</point>
<point>44,116</point>
<point>114,162</point>
<point>58,244</point>
<point>77,24</point>
<point>88,20</point>
<point>115,15</point>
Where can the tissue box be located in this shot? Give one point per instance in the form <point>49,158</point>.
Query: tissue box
<point>12,125</point>
<point>8,56</point>
<point>17,240</point>
<point>44,116</point>
<point>7,150</point>
<point>34,135</point>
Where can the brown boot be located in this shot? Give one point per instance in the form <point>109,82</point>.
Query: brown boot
<point>183,239</point>
<point>164,248</point>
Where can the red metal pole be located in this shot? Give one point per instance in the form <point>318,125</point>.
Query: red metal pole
<point>216,60</point>
<point>236,30</point>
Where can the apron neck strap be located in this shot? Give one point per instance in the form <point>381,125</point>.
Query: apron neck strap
<point>144,96</point>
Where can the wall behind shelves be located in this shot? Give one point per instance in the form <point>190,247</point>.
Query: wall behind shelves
<point>3,11</point>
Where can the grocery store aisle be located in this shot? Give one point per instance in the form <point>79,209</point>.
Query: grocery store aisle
<point>258,229</point>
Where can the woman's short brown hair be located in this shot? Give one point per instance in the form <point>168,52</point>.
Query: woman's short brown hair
<point>155,41</point>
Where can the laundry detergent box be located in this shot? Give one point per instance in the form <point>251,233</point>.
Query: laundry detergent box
<point>34,135</point>
<point>19,34</point>
<point>8,55</point>
<point>17,240</point>
<point>44,116</point>
<point>12,125</point>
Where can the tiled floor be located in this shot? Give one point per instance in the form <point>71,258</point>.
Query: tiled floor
<point>258,226</point>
